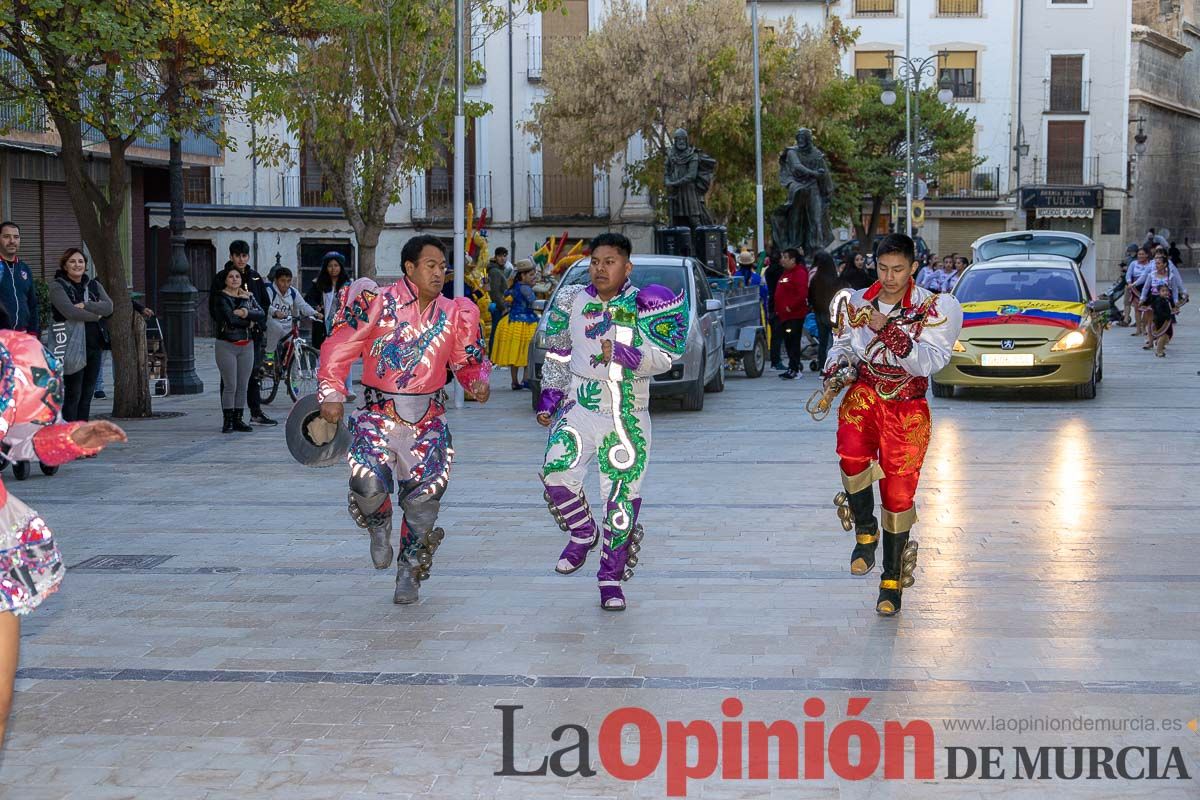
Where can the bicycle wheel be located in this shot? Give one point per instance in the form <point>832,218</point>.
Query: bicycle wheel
<point>269,384</point>
<point>302,374</point>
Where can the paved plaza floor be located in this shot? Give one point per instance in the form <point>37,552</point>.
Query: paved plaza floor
<point>242,646</point>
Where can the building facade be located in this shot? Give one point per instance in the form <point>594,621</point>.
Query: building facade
<point>288,216</point>
<point>977,40</point>
<point>1164,111</point>
<point>1072,136</point>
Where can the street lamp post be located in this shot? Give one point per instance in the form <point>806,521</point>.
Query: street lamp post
<point>460,165</point>
<point>910,71</point>
<point>177,297</point>
<point>759,224</point>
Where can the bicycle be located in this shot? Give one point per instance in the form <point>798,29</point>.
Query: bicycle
<point>294,364</point>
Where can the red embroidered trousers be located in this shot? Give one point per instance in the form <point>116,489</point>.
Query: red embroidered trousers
<point>894,433</point>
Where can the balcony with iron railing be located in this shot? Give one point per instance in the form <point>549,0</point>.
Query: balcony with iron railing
<point>1067,97</point>
<point>959,8</point>
<point>980,183</point>
<point>297,191</point>
<point>478,55</point>
<point>1064,172</point>
<point>536,49</point>
<point>203,190</point>
<point>568,197</point>
<point>874,8</point>
<point>431,199</point>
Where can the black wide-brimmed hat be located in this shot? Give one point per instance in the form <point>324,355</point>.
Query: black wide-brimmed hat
<point>311,440</point>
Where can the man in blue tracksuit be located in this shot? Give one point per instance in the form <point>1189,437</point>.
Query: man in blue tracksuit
<point>17,292</point>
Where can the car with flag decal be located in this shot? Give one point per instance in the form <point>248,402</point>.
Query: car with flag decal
<point>1029,317</point>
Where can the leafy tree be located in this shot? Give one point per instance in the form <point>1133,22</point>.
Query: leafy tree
<point>374,101</point>
<point>650,68</point>
<point>105,71</point>
<point>865,143</point>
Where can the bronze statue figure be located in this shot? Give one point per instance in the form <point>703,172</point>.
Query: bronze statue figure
<point>688,174</point>
<point>803,220</point>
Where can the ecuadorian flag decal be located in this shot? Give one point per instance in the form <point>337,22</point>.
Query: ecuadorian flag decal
<point>1055,313</point>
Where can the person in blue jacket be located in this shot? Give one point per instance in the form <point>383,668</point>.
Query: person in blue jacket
<point>17,292</point>
<point>746,268</point>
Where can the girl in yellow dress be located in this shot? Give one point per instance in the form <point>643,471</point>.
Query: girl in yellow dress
<point>515,331</point>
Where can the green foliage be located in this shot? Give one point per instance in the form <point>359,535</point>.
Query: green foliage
<point>106,72</point>
<point>865,143</point>
<point>45,314</point>
<point>684,63</point>
<point>373,100</point>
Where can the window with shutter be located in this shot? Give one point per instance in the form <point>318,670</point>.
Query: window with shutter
<point>874,8</point>
<point>26,199</point>
<point>61,229</point>
<point>958,8</point>
<point>1066,83</point>
<point>872,65</point>
<point>439,180</point>
<point>959,68</point>
<point>1064,152</point>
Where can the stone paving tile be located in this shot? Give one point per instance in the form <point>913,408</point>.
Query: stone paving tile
<point>264,658</point>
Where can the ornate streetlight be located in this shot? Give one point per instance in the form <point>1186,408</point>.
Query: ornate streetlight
<point>910,71</point>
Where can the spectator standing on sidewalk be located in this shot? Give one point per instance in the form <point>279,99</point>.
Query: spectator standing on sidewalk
<point>323,294</point>
<point>76,298</point>
<point>1135,274</point>
<point>791,307</point>
<point>17,291</point>
<point>237,312</point>
<point>239,257</point>
<point>772,274</point>
<point>854,275</point>
<point>825,284</point>
<point>497,288</point>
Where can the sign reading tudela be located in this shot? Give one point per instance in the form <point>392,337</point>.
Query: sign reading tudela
<point>1061,197</point>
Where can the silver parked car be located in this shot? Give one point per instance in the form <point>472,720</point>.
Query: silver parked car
<point>701,367</point>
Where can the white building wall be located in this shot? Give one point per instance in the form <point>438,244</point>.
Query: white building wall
<point>1100,31</point>
<point>990,35</point>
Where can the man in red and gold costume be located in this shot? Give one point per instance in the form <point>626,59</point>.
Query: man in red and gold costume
<point>892,336</point>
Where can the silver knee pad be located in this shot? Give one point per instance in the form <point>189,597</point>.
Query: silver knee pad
<point>366,500</point>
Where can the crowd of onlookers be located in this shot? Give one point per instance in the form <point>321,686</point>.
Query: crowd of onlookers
<point>794,288</point>
<point>942,276</point>
<point>1154,292</point>
<point>78,313</point>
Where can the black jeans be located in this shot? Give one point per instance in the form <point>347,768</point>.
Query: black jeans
<point>78,388</point>
<point>824,340</point>
<point>793,340</point>
<point>776,341</point>
<point>254,390</point>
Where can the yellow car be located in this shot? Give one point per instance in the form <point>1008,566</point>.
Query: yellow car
<point>1027,322</point>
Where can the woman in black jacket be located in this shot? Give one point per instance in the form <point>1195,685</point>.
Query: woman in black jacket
<point>76,297</point>
<point>825,284</point>
<point>854,274</point>
<point>235,310</point>
<point>322,295</point>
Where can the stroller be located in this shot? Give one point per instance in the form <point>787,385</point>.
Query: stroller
<point>156,357</point>
<point>22,469</point>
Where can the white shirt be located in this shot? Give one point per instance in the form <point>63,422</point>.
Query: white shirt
<point>932,340</point>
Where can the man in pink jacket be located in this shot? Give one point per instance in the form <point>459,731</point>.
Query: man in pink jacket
<point>407,336</point>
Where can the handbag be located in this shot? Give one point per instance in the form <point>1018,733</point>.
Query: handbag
<point>102,323</point>
<point>75,353</point>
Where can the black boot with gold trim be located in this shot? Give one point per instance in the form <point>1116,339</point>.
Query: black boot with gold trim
<point>899,567</point>
<point>856,509</point>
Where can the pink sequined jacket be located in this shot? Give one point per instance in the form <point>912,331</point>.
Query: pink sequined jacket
<point>403,350</point>
<point>30,398</point>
